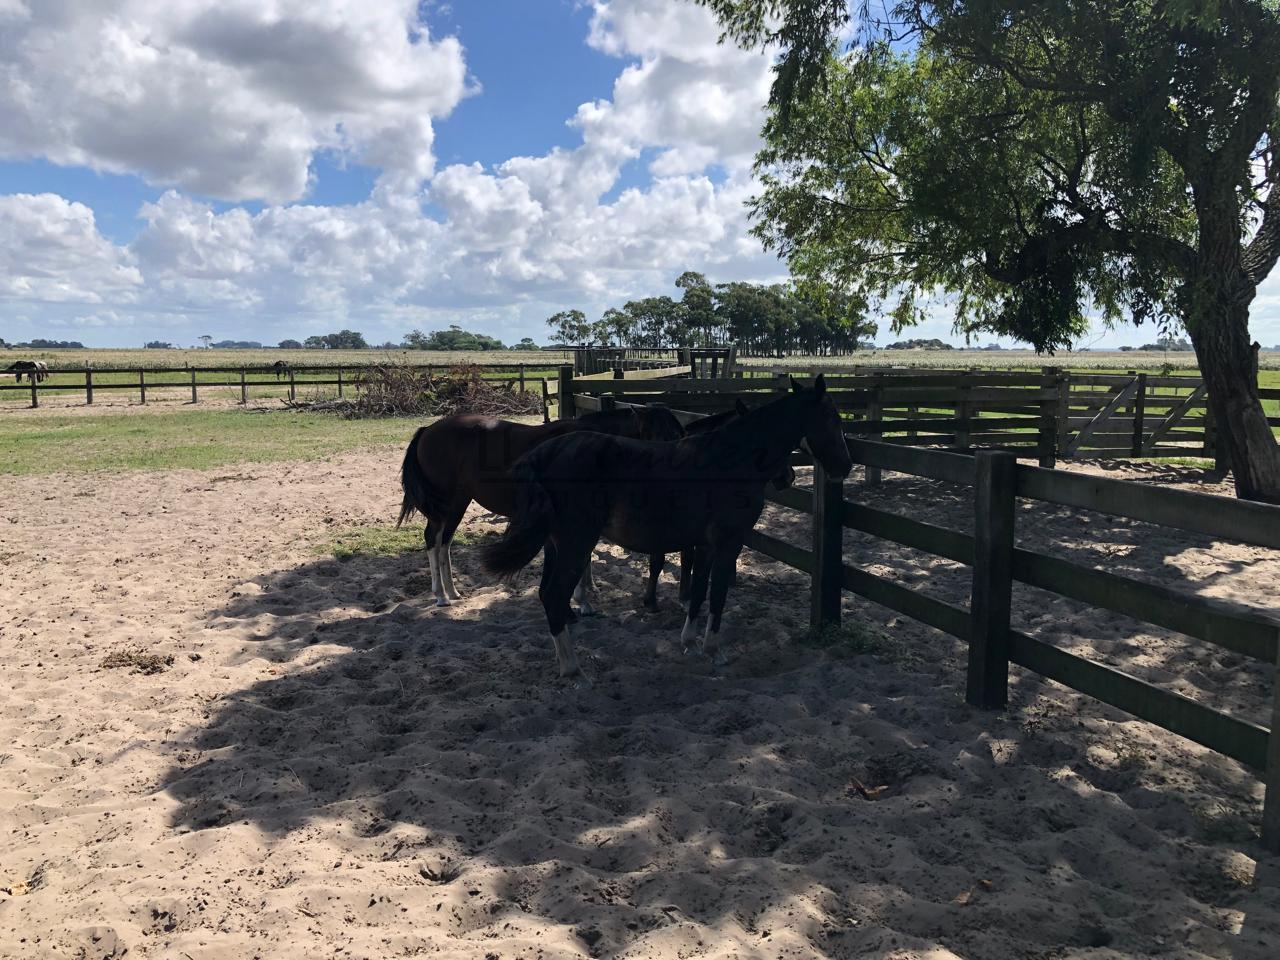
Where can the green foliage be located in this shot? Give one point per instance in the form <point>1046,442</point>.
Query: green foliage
<point>455,338</point>
<point>342,340</point>
<point>289,345</point>
<point>569,327</point>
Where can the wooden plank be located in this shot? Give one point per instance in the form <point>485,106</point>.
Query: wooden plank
<point>934,464</point>
<point>566,387</point>
<point>828,549</point>
<point>1235,738</point>
<point>1120,399</point>
<point>780,550</point>
<point>918,606</point>
<point>583,403</point>
<point>792,497</point>
<point>1234,626</point>
<point>910,533</point>
<point>1176,414</point>
<point>1139,410</point>
<point>1229,519</point>
<point>991,597</point>
<point>1271,800</point>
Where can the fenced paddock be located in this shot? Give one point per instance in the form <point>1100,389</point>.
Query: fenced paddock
<point>997,482</point>
<point>243,382</point>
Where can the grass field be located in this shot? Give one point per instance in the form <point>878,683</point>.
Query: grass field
<point>193,439</point>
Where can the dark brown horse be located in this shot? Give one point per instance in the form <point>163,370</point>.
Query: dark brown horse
<point>705,491</point>
<point>37,370</point>
<point>468,457</point>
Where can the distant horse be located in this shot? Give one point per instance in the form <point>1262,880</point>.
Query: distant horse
<point>37,370</point>
<point>281,369</point>
<point>468,457</point>
<point>706,491</point>
<point>656,561</point>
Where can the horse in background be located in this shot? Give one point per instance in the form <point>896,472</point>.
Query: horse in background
<point>37,370</point>
<point>705,491</point>
<point>281,369</point>
<point>468,457</point>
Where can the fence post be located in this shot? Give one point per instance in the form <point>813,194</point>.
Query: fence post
<point>522,378</point>
<point>875,412</point>
<point>1046,438</point>
<point>564,404</point>
<point>339,383</point>
<point>1271,777</point>
<point>1139,410</point>
<point>828,549</point>
<point>990,602</point>
<point>292,387</point>
<point>546,401</point>
<point>194,399</point>
<point>244,391</point>
<point>1064,413</point>
<point>88,386</point>
<point>608,402</point>
<point>963,415</point>
<point>142,385</point>
<point>35,398</point>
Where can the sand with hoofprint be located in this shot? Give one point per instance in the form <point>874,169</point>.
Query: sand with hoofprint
<point>331,766</point>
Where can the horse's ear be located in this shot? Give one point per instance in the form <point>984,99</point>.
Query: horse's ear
<point>795,386</point>
<point>820,385</point>
<point>740,407</point>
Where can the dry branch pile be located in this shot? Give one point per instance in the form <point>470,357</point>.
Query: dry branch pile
<point>391,390</point>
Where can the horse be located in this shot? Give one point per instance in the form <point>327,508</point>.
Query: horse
<point>37,370</point>
<point>281,369</point>
<point>468,457</point>
<point>657,560</point>
<point>706,491</point>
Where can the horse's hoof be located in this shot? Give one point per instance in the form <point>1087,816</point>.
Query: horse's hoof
<point>586,610</point>
<point>443,602</point>
<point>578,680</point>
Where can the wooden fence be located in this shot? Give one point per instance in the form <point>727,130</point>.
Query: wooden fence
<point>1048,415</point>
<point>997,480</point>
<point>92,380</point>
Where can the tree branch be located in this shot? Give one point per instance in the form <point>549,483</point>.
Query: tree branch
<point>1264,249</point>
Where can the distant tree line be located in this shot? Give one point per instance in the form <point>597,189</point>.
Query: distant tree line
<point>37,344</point>
<point>920,344</point>
<point>774,319</point>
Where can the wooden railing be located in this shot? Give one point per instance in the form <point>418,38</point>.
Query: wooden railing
<point>997,481</point>
<point>92,380</point>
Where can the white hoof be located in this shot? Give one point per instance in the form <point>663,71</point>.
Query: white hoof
<point>443,602</point>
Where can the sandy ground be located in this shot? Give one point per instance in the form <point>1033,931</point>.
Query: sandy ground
<point>330,766</point>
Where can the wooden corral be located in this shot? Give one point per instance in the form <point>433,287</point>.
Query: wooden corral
<point>997,481</point>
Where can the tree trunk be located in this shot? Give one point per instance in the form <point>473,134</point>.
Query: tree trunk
<point>1226,358</point>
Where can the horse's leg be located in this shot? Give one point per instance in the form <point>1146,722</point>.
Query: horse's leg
<point>697,593</point>
<point>656,560</point>
<point>723,566</point>
<point>446,561</point>
<point>582,592</point>
<point>564,571</point>
<point>432,535</point>
<point>686,575</point>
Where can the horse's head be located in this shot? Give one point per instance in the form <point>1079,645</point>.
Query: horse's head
<point>823,432</point>
<point>657,422</point>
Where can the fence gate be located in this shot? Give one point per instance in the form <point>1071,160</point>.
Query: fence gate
<point>1130,419</point>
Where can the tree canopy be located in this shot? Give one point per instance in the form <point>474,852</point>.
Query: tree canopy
<point>775,318</point>
<point>455,338</point>
<point>1038,163</point>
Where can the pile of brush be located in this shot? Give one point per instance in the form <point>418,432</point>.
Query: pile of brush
<point>398,390</point>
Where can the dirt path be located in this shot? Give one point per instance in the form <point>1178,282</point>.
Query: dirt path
<point>331,766</point>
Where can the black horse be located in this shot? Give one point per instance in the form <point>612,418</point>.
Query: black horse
<point>280,368</point>
<point>656,561</point>
<point>705,491</point>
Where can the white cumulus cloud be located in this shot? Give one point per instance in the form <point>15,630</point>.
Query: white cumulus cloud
<point>229,98</point>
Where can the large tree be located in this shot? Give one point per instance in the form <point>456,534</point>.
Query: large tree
<point>1038,160</point>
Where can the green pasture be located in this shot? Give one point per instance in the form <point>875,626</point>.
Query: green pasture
<point>192,439</point>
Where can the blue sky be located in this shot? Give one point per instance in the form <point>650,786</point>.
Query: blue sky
<point>208,166</point>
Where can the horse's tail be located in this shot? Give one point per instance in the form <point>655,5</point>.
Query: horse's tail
<point>529,528</point>
<point>417,489</point>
